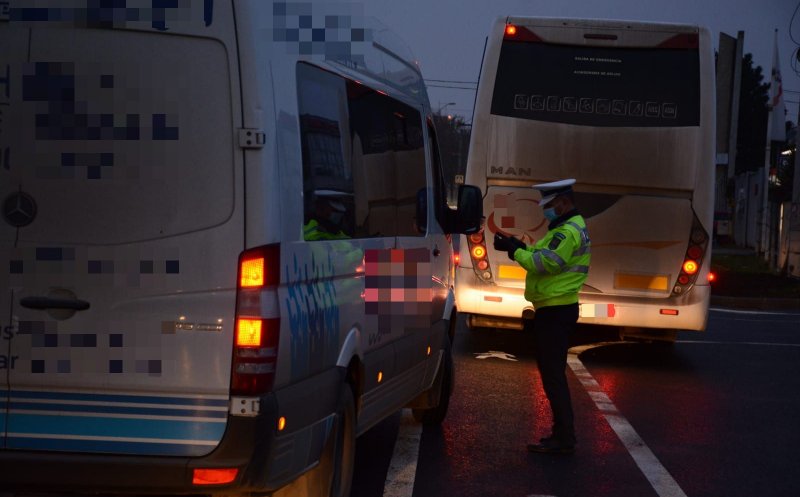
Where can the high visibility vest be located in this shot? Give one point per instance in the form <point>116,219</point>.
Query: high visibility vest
<point>313,231</point>
<point>558,264</point>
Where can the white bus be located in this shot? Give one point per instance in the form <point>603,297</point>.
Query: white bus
<point>626,108</point>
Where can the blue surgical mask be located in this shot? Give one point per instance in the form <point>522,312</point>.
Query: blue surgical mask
<point>550,214</point>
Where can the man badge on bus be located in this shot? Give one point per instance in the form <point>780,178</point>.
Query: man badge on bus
<point>556,266</point>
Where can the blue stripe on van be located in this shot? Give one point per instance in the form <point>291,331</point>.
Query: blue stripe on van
<point>108,447</point>
<point>21,424</point>
<point>145,411</point>
<point>61,421</point>
<point>129,399</point>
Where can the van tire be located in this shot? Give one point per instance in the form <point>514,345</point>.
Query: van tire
<point>345,448</point>
<point>435,415</point>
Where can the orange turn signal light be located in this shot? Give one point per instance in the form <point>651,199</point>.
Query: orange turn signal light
<point>252,273</point>
<point>478,252</point>
<point>511,30</point>
<point>690,267</point>
<point>248,332</point>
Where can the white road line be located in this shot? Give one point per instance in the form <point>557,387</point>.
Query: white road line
<point>751,312</point>
<point>761,344</point>
<point>660,479</point>
<point>403,466</point>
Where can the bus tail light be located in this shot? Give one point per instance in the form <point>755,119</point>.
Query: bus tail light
<point>479,255</point>
<point>255,347</point>
<point>693,259</point>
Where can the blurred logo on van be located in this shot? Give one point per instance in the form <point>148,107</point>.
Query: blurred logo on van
<point>19,209</point>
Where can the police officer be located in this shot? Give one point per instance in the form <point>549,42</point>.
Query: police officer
<point>326,219</point>
<point>557,265</point>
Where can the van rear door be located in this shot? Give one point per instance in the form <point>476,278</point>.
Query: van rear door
<point>14,40</point>
<point>122,284</point>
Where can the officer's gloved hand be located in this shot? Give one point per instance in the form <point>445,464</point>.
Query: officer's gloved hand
<point>501,243</point>
<point>513,245</point>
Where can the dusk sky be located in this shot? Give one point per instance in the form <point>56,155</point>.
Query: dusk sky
<point>447,36</point>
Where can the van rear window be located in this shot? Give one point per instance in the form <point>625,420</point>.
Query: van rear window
<point>598,86</point>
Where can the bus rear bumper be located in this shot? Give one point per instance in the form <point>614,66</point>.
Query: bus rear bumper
<point>502,307</point>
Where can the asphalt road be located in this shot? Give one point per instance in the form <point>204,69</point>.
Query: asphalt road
<point>714,415</point>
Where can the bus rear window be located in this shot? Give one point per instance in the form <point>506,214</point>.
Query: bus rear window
<point>598,86</point>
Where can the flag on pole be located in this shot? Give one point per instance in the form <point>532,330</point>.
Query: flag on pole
<point>777,107</point>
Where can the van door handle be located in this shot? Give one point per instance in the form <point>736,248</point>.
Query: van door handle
<point>51,303</point>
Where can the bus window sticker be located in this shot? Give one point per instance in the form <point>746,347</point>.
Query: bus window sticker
<point>587,105</point>
<point>652,109</point>
<point>603,106</point>
<point>635,108</point>
<point>570,104</point>
<point>553,103</point>
<point>520,102</point>
<point>618,107</point>
<point>669,110</point>
<point>537,102</point>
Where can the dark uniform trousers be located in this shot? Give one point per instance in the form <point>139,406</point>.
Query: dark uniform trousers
<point>552,327</point>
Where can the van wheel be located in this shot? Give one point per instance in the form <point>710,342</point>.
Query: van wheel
<point>435,415</point>
<point>344,455</point>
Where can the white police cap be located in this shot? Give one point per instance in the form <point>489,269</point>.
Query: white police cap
<point>553,189</point>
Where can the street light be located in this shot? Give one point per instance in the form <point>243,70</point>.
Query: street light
<point>444,106</point>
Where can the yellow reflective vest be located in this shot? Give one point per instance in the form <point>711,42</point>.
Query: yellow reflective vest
<point>313,231</point>
<point>558,264</point>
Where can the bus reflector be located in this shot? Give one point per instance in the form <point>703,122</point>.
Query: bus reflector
<point>281,423</point>
<point>511,272</point>
<point>641,281</point>
<point>669,312</point>
<point>511,30</point>
<point>213,476</point>
<point>252,272</point>
<point>483,265</point>
<point>248,332</point>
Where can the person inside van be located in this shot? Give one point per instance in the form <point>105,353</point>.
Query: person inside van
<point>326,219</point>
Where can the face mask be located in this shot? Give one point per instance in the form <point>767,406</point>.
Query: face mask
<point>550,214</point>
<point>336,218</point>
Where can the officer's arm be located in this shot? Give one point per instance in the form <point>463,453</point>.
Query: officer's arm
<point>549,259</point>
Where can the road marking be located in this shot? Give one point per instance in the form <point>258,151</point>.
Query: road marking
<point>403,466</point>
<point>762,344</point>
<point>658,476</point>
<point>743,311</point>
<point>496,354</point>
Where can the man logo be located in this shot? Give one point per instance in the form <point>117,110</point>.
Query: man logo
<point>19,209</point>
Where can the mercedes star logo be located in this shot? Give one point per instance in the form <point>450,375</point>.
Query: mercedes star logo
<point>19,209</point>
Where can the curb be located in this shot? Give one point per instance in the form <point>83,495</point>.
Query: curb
<point>756,303</point>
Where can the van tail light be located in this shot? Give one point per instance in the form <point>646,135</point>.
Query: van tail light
<point>693,259</point>
<point>255,347</point>
<point>479,255</point>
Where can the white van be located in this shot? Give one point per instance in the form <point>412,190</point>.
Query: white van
<point>224,246</point>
